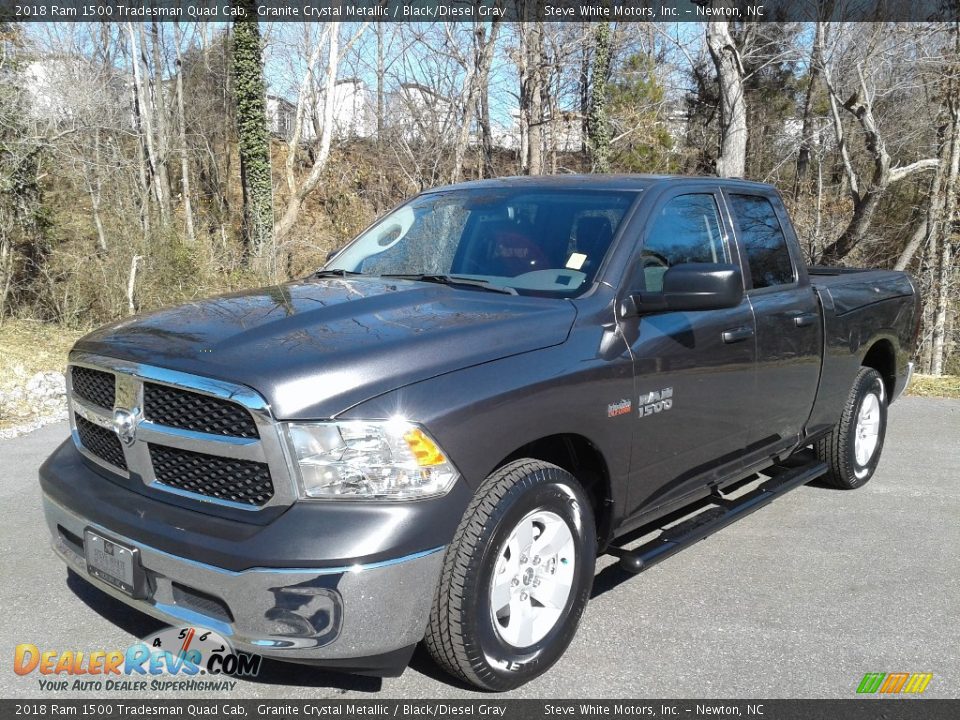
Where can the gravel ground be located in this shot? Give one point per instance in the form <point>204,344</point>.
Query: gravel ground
<point>797,600</point>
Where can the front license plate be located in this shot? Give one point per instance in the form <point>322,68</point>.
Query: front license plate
<point>113,563</point>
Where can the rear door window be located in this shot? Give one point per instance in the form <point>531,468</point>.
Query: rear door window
<point>763,241</point>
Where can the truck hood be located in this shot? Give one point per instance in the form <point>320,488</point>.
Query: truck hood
<point>316,347</point>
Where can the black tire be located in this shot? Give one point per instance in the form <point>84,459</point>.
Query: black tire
<point>461,635</point>
<point>838,449</point>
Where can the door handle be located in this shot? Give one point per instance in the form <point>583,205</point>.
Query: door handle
<point>804,319</point>
<point>735,335</point>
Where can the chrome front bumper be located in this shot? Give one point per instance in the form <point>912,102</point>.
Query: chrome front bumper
<point>298,614</point>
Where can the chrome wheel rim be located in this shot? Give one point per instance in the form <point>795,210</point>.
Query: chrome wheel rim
<point>867,429</point>
<point>532,579</point>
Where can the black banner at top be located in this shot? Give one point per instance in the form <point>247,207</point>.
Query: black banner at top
<point>480,10</point>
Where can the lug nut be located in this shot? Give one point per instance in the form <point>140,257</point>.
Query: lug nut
<point>523,596</point>
<point>536,583</point>
<point>536,559</point>
<point>523,559</point>
<point>515,581</point>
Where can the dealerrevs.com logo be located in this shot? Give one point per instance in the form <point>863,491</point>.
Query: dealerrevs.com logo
<point>185,658</point>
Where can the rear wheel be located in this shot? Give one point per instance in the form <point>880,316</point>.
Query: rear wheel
<point>852,450</point>
<point>516,577</point>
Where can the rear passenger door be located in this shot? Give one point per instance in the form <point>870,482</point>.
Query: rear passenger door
<point>789,332</point>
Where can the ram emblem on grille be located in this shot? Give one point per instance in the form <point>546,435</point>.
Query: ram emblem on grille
<point>125,426</point>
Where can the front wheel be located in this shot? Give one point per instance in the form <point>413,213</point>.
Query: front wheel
<point>852,450</point>
<point>516,577</point>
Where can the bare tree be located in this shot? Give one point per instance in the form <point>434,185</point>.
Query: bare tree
<point>947,224</point>
<point>807,119</point>
<point>732,159</point>
<point>299,191</point>
<point>476,77</point>
<point>866,191</point>
<point>143,110</point>
<point>182,130</point>
<point>530,60</point>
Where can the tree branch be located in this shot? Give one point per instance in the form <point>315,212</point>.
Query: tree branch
<point>901,172</point>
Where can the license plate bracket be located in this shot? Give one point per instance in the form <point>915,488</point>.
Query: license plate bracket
<point>114,563</point>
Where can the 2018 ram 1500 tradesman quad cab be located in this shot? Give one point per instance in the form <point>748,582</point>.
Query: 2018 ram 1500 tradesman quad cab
<point>434,436</point>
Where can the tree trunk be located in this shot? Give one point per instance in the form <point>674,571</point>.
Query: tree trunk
<point>930,219</point>
<point>944,282</point>
<point>535,95</point>
<point>184,155</point>
<point>160,105</point>
<point>733,106</point>
<point>143,111</point>
<point>381,70</point>
<point>298,194</point>
<point>253,139</point>
<point>476,78</point>
<point>132,283</point>
<point>143,156</point>
<point>864,209</point>
<point>806,139</point>
<point>946,229</point>
<point>94,189</point>
<point>597,125</point>
<point>913,244</point>
<point>523,114</point>
<point>583,89</point>
<point>485,130</point>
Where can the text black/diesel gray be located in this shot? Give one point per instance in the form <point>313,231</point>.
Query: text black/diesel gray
<point>433,437</point>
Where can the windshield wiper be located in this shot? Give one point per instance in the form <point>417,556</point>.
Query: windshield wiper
<point>454,280</point>
<point>335,273</point>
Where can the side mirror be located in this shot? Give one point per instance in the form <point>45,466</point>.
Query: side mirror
<point>690,286</point>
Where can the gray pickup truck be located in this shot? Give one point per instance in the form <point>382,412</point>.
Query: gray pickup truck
<point>433,437</point>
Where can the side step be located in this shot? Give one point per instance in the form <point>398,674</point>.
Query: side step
<point>782,479</point>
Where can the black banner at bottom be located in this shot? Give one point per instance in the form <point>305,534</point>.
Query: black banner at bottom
<point>853,709</point>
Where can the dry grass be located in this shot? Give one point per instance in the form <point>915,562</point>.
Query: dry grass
<point>945,386</point>
<point>26,348</point>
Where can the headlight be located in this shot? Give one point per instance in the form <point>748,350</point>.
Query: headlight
<point>391,459</point>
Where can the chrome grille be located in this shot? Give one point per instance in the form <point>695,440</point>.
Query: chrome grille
<point>101,442</point>
<point>192,411</point>
<point>94,386</point>
<point>239,481</point>
<point>204,439</point>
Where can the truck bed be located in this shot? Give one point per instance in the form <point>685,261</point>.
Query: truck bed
<point>854,288</point>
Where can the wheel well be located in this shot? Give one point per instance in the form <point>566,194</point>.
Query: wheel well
<point>882,358</point>
<point>581,458</point>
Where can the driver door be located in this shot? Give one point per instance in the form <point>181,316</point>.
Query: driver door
<point>694,370</point>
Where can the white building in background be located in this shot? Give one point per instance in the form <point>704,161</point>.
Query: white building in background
<point>353,115</point>
<point>64,87</point>
<point>281,115</point>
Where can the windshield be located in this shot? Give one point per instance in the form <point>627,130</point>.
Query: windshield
<point>536,241</point>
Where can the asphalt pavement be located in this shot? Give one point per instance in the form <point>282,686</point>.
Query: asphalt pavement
<point>799,599</point>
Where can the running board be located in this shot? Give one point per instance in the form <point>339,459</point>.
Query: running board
<point>672,540</point>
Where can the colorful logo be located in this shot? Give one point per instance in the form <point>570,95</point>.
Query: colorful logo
<point>184,651</point>
<point>621,407</point>
<point>892,683</point>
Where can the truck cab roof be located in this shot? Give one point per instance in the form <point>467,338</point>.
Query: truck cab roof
<point>603,182</point>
